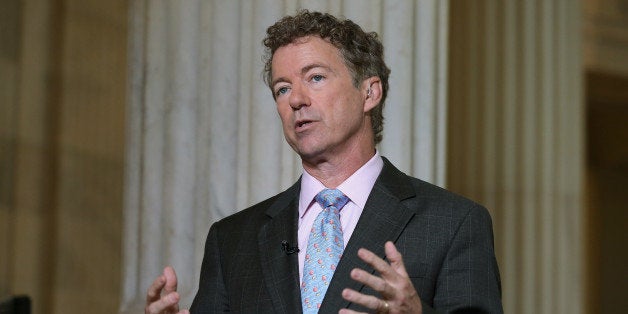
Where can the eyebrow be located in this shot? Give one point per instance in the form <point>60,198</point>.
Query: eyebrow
<point>304,70</point>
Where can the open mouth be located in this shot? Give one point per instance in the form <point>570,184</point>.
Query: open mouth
<point>303,123</point>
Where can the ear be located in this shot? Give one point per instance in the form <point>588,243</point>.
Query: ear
<point>372,91</point>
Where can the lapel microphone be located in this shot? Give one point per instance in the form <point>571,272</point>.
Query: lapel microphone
<point>285,246</point>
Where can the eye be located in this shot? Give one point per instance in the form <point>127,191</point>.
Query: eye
<point>317,77</point>
<point>281,90</point>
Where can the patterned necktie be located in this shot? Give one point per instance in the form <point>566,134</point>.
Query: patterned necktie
<point>324,248</point>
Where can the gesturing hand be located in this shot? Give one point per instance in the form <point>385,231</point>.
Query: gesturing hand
<point>162,296</point>
<point>394,286</point>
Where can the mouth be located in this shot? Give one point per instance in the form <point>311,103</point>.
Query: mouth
<point>301,124</point>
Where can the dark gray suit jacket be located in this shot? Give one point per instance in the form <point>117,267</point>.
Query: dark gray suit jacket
<point>446,242</point>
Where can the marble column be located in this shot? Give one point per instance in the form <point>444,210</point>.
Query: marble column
<point>516,142</point>
<point>204,139</point>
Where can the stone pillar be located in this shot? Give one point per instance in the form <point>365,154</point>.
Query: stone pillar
<point>516,142</point>
<point>204,137</point>
<point>415,41</point>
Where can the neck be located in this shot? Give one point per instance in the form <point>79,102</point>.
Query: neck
<point>332,171</point>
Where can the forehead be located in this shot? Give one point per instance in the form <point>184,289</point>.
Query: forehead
<point>303,52</point>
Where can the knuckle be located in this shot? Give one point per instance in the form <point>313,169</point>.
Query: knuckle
<point>149,309</point>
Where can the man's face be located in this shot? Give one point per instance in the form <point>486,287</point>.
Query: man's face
<point>322,112</point>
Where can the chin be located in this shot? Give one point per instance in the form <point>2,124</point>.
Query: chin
<point>310,148</point>
<point>308,153</point>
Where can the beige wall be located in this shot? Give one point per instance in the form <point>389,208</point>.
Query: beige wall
<point>62,151</point>
<point>515,133</point>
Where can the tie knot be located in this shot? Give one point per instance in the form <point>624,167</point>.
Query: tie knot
<point>331,197</point>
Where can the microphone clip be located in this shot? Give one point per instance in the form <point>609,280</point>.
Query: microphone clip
<point>285,246</point>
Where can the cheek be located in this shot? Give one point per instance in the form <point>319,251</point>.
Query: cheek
<point>284,113</point>
<point>348,109</point>
<point>286,118</point>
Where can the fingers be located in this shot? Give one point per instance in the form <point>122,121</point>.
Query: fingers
<point>162,296</point>
<point>348,311</point>
<point>397,294</point>
<point>369,301</point>
<point>376,262</point>
<point>154,291</point>
<point>388,272</point>
<point>376,283</point>
<point>395,258</point>
<point>171,279</point>
<point>392,271</point>
<point>166,302</point>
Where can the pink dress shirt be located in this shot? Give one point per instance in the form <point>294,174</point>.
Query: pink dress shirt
<point>357,187</point>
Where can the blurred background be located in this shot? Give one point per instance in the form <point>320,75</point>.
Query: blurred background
<point>66,71</point>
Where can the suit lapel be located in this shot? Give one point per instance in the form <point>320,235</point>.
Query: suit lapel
<point>384,218</point>
<point>281,271</point>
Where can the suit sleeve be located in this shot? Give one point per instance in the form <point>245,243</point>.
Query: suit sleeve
<point>469,279</point>
<point>212,294</point>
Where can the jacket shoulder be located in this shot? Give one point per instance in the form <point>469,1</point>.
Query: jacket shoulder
<point>426,197</point>
<point>263,210</point>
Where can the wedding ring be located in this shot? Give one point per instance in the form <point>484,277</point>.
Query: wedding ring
<point>386,307</point>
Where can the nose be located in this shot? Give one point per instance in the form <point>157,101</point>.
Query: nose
<point>298,97</point>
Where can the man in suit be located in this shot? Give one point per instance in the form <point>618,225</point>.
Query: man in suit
<point>405,246</point>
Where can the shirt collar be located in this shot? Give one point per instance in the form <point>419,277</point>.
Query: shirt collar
<point>357,187</point>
